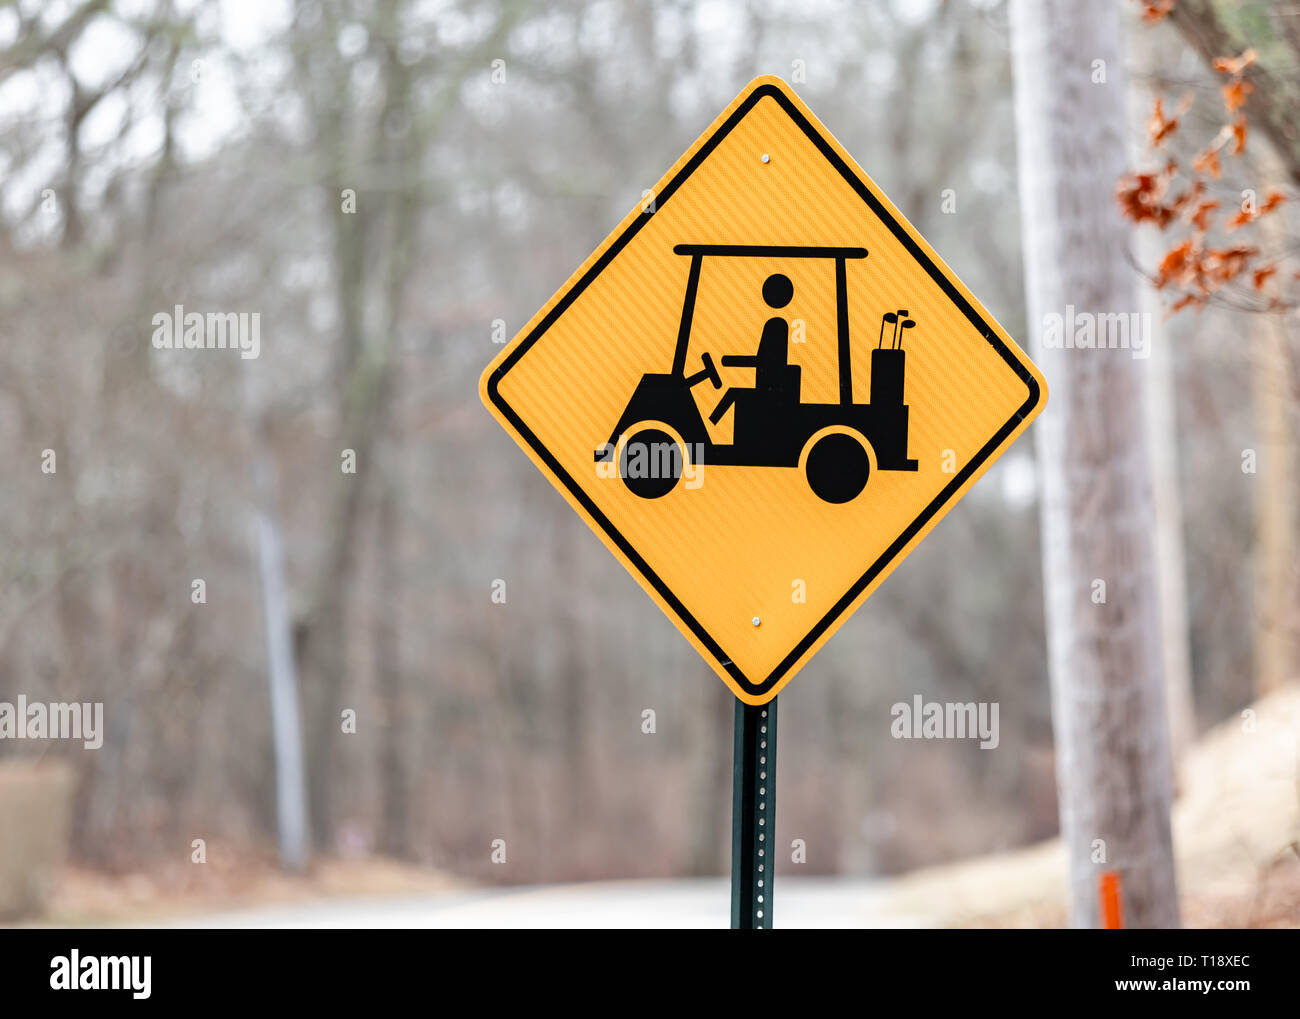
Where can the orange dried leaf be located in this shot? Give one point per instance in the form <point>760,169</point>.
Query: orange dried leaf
<point>1229,65</point>
<point>1223,265</point>
<point>1158,127</point>
<point>1235,93</point>
<point>1139,197</point>
<point>1208,162</point>
<point>1175,261</point>
<point>1192,194</point>
<point>1156,10</point>
<point>1238,136</point>
<point>1262,274</point>
<point>1200,218</point>
<point>1272,200</point>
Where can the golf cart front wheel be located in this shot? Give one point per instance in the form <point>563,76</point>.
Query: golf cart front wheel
<point>837,467</point>
<point>651,462</point>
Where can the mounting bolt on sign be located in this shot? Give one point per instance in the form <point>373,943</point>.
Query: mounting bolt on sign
<point>760,510</point>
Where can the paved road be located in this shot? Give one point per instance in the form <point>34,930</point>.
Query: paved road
<point>800,902</point>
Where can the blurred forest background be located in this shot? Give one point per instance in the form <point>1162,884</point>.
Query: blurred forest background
<point>396,186</point>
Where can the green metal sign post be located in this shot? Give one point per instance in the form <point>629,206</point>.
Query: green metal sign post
<point>753,815</point>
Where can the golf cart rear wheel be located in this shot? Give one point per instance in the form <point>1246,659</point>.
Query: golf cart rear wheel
<point>837,468</point>
<point>650,462</point>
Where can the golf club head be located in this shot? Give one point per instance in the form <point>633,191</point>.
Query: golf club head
<point>889,317</point>
<point>905,324</point>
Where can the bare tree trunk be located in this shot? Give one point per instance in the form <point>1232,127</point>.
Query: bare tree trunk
<point>322,647</point>
<point>1171,577</point>
<point>1112,737</point>
<point>1150,49</point>
<point>365,370</point>
<point>394,774</point>
<point>1275,545</point>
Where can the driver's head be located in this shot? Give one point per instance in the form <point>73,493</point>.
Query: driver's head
<point>777,290</point>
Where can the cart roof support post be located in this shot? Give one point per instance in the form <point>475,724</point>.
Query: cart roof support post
<point>688,313</point>
<point>842,328</point>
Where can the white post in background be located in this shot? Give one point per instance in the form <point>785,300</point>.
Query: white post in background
<point>286,722</point>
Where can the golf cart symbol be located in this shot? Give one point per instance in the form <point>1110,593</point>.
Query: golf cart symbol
<point>836,444</point>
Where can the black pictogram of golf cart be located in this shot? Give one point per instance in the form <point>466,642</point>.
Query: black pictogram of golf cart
<point>836,444</point>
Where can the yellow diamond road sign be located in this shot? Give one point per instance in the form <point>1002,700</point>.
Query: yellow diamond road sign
<point>762,390</point>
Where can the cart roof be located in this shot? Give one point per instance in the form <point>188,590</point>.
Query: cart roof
<point>769,250</point>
